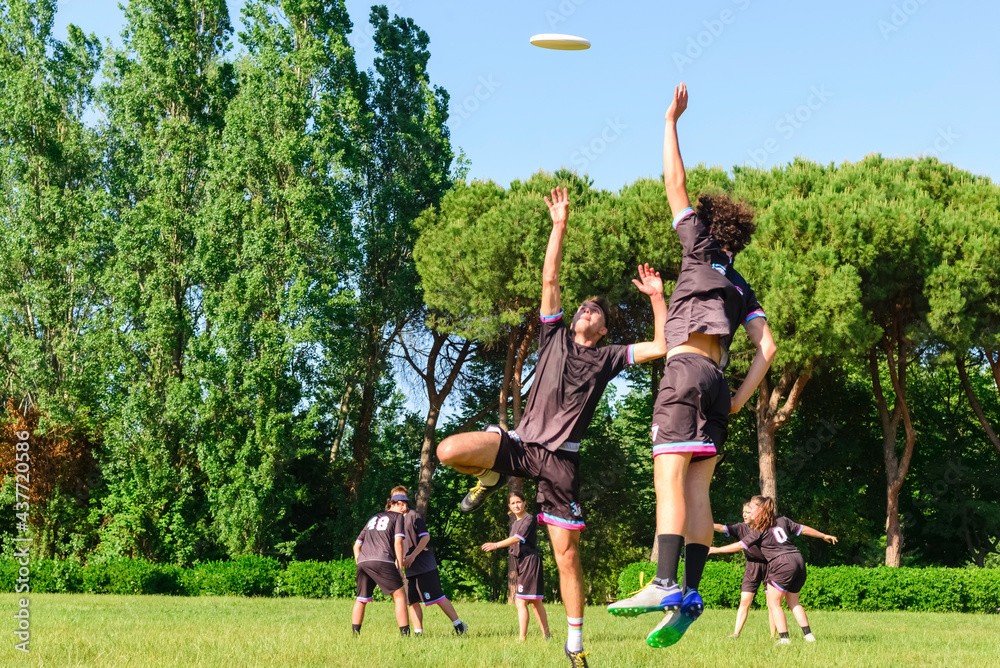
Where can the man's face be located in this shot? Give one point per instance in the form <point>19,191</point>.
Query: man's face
<point>589,319</point>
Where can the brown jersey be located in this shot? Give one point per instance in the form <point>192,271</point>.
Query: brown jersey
<point>569,381</point>
<point>710,297</point>
<point>526,530</point>
<point>378,538</point>
<point>416,529</point>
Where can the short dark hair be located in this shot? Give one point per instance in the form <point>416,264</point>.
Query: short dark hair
<point>730,221</point>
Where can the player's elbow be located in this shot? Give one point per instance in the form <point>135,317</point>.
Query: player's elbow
<point>768,348</point>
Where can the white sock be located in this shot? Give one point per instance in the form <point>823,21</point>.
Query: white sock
<point>456,622</point>
<point>489,478</point>
<point>574,642</point>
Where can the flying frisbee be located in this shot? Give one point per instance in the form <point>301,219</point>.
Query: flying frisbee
<point>560,42</point>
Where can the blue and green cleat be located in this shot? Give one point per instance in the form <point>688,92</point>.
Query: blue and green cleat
<point>673,625</point>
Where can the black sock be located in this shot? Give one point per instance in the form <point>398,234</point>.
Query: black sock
<point>404,630</point>
<point>784,635</point>
<point>669,548</point>
<point>695,556</point>
<point>356,629</point>
<point>806,631</point>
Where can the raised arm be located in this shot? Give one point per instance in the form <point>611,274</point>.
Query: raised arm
<point>673,167</point>
<point>559,212</point>
<point>809,531</point>
<point>728,549</point>
<point>489,547</point>
<point>760,336</point>
<point>652,286</point>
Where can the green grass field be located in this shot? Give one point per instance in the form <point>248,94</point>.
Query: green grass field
<point>154,631</point>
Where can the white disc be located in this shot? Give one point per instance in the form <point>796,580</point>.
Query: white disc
<point>560,42</point>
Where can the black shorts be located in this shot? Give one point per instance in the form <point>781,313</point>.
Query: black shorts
<point>425,588</point>
<point>530,584</point>
<point>787,572</point>
<point>381,573</point>
<point>557,475</point>
<point>754,574</point>
<point>691,413</point>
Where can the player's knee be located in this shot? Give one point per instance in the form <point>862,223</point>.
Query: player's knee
<point>446,451</point>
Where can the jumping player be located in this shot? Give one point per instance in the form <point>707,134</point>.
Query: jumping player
<point>691,415</point>
<point>523,544</point>
<point>378,552</point>
<point>570,377</point>
<point>754,574</point>
<point>423,582</point>
<point>786,570</point>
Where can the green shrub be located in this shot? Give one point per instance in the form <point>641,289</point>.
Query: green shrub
<point>244,576</point>
<point>318,579</point>
<point>56,576</point>
<point>129,576</point>
<point>852,587</point>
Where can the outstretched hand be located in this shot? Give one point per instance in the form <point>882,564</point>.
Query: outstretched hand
<point>830,539</point>
<point>649,282</point>
<point>679,103</point>
<point>489,547</point>
<point>558,206</point>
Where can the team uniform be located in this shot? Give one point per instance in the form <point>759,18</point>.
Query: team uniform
<point>530,583</point>
<point>423,581</point>
<point>377,557</point>
<point>755,571</point>
<point>691,413</point>
<point>786,569</point>
<point>569,381</point>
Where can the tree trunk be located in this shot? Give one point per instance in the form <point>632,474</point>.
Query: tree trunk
<point>361,439</point>
<point>977,408</point>
<point>896,466</point>
<point>338,433</point>
<point>771,416</point>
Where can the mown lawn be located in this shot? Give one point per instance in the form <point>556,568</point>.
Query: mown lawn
<point>148,631</point>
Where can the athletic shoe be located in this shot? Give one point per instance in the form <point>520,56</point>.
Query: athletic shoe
<point>784,641</point>
<point>576,659</point>
<point>477,495</point>
<point>810,637</point>
<point>733,635</point>
<point>461,628</point>
<point>652,598</point>
<point>673,625</point>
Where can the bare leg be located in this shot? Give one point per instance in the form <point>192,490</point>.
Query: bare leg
<point>797,610</point>
<point>774,596</point>
<point>399,599</point>
<point>471,452</point>
<point>522,618</point>
<point>669,473</point>
<point>746,598</point>
<point>449,609</point>
<point>418,616</point>
<point>770,616</point>
<point>358,613</point>
<point>565,545</point>
<point>699,509</point>
<point>541,617</point>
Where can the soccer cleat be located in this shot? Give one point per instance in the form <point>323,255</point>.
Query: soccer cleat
<point>461,628</point>
<point>784,641</point>
<point>477,495</point>
<point>673,625</point>
<point>651,598</point>
<point>576,659</point>
<point>810,637</point>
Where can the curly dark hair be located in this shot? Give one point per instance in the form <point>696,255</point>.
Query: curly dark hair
<point>731,222</point>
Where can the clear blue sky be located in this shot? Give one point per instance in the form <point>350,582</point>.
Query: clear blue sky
<point>768,81</point>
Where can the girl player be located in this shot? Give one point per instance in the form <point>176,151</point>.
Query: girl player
<point>691,415</point>
<point>754,574</point>
<point>786,570</point>
<point>523,544</point>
